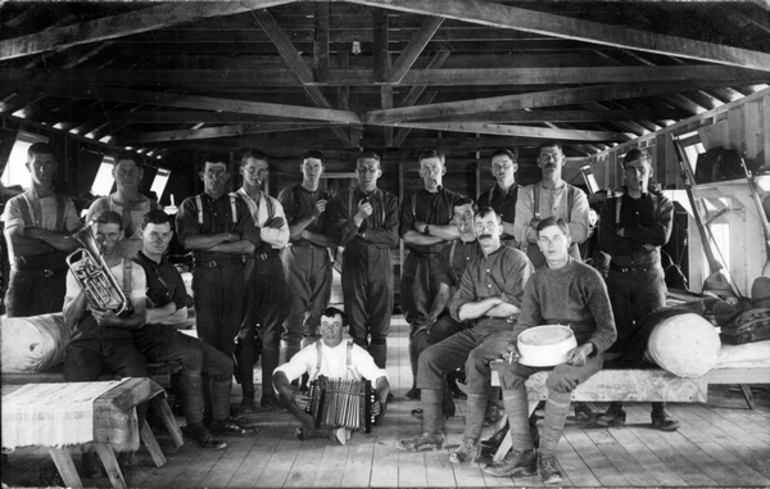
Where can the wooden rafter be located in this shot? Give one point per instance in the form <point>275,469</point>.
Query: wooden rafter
<point>507,17</point>
<point>213,132</point>
<point>520,131</point>
<point>549,98</point>
<point>599,115</point>
<point>208,103</point>
<point>413,50</point>
<point>294,60</point>
<point>126,24</point>
<point>415,77</point>
<point>321,43</point>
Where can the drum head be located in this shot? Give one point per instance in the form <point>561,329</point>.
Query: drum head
<point>545,346</point>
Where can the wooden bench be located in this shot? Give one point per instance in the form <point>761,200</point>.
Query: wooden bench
<point>635,386</point>
<point>114,424</point>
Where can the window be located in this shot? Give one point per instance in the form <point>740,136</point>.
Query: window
<point>589,178</point>
<point>103,182</point>
<point>16,172</point>
<point>160,181</point>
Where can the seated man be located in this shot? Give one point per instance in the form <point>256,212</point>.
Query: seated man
<point>338,360</point>
<point>489,295</point>
<point>565,291</point>
<point>167,303</point>
<point>100,337</point>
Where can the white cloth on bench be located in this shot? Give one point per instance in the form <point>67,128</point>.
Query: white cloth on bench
<point>51,415</point>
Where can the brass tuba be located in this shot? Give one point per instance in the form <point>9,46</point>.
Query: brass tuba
<point>97,282</point>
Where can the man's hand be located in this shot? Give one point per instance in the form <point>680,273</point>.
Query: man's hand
<point>106,317</point>
<point>319,208</point>
<point>379,408</point>
<point>420,226</point>
<point>424,324</point>
<point>620,232</point>
<point>578,355</point>
<point>229,237</point>
<point>534,222</point>
<point>365,209</point>
<point>302,400</point>
<point>512,353</point>
<point>276,222</point>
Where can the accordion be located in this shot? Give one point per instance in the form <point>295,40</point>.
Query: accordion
<point>337,403</point>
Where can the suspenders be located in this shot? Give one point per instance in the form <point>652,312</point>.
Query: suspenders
<point>348,359</point>
<point>30,213</point>
<point>233,208</point>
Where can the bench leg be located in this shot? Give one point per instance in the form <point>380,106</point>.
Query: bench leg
<point>748,395</point>
<point>66,467</point>
<point>107,456</point>
<point>151,443</point>
<point>163,410</point>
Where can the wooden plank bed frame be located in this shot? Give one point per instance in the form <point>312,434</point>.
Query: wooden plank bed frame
<point>637,386</point>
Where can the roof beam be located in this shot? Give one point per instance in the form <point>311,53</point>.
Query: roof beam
<point>416,92</point>
<point>602,115</point>
<point>413,50</point>
<point>321,43</point>
<point>519,131</point>
<point>531,100</point>
<point>428,76</point>
<point>292,58</point>
<point>211,133</point>
<point>507,17</point>
<point>207,103</point>
<point>121,25</point>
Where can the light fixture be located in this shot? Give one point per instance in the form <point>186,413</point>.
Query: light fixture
<point>356,49</point>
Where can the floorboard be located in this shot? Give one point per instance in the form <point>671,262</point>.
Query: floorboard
<point>722,443</point>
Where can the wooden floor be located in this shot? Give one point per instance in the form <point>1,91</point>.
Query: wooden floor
<point>719,444</point>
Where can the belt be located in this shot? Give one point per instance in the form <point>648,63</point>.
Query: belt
<point>420,254</point>
<point>268,254</point>
<point>220,263</point>
<point>306,244</point>
<point>638,268</point>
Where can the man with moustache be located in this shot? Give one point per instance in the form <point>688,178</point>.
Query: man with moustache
<point>490,296</point>
<point>502,197</point>
<point>632,229</point>
<point>425,228</point>
<point>267,297</point>
<point>565,291</point>
<point>440,324</point>
<point>366,222</point>
<point>37,228</point>
<point>307,260</point>
<point>551,196</point>
<point>218,229</point>
<point>126,201</point>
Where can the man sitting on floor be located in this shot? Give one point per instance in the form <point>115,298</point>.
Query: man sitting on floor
<point>159,342</point>
<point>334,359</point>
<point>569,292</point>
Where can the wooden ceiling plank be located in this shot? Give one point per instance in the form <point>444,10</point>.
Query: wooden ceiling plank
<point>121,25</point>
<point>380,54</point>
<point>508,17</point>
<point>403,132</point>
<point>409,55</point>
<point>516,116</point>
<point>549,98</point>
<point>321,43</point>
<point>206,103</point>
<point>520,131</point>
<point>436,61</point>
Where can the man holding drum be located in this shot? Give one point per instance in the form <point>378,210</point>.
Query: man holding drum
<point>566,292</point>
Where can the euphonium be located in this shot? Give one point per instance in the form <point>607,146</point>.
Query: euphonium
<point>97,282</point>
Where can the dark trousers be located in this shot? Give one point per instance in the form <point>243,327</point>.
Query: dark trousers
<point>367,285</point>
<point>633,295</point>
<point>87,359</point>
<point>201,363</point>
<point>308,271</point>
<point>219,295</point>
<point>475,348</point>
<point>266,303</point>
<point>419,286</point>
<point>31,293</point>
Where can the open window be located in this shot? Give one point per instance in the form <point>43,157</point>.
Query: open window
<point>589,179</point>
<point>103,182</point>
<point>15,172</point>
<point>159,183</point>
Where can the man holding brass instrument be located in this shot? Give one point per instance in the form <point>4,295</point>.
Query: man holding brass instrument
<point>101,337</point>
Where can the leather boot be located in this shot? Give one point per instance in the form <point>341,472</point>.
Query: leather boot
<point>269,363</point>
<point>515,463</point>
<point>661,419</point>
<point>614,416</point>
